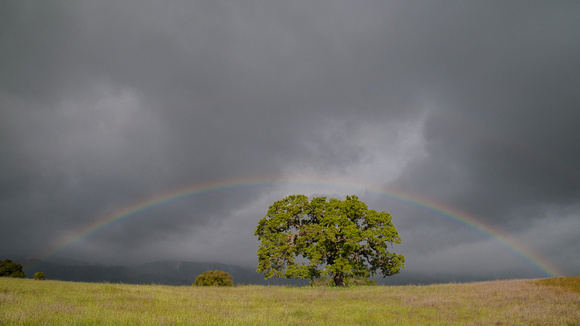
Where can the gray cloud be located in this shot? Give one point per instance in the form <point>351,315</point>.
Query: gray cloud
<point>470,105</point>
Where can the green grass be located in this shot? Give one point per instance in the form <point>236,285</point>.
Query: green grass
<point>516,302</point>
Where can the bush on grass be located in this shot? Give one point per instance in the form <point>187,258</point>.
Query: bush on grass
<point>39,276</point>
<point>214,278</point>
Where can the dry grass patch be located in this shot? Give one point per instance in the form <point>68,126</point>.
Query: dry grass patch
<point>562,283</point>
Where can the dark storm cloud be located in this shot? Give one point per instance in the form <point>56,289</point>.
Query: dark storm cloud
<point>504,135</point>
<point>106,103</point>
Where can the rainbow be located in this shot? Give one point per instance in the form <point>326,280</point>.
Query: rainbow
<point>467,220</point>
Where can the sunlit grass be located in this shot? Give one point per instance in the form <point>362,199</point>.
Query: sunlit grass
<point>562,283</point>
<point>517,302</point>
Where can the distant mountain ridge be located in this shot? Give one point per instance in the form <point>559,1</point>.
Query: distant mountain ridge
<point>169,272</point>
<point>174,272</point>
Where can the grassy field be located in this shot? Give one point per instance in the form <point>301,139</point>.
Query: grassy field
<point>515,302</point>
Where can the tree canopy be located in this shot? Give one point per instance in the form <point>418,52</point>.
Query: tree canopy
<point>302,238</point>
<point>10,269</point>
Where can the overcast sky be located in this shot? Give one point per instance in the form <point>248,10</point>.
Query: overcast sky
<point>471,105</point>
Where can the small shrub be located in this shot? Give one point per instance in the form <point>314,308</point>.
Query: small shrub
<point>39,276</point>
<point>214,278</point>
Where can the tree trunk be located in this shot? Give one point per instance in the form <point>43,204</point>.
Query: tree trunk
<point>339,279</point>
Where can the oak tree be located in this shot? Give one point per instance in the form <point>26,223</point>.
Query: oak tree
<point>302,238</point>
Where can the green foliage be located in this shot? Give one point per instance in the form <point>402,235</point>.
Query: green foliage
<point>214,278</point>
<point>10,269</point>
<point>39,276</point>
<point>307,239</point>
